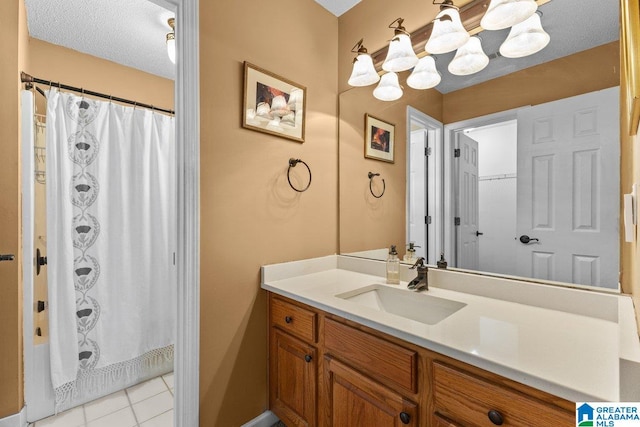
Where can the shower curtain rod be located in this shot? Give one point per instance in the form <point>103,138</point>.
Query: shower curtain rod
<point>26,78</point>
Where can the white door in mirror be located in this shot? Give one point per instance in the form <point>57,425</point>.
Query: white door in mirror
<point>568,189</point>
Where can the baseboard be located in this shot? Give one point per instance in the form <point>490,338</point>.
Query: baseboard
<point>266,419</point>
<point>15,420</point>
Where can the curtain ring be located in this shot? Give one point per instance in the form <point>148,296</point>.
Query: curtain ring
<point>384,185</point>
<point>292,163</point>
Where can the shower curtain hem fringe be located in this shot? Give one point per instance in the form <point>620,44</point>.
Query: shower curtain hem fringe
<point>90,382</point>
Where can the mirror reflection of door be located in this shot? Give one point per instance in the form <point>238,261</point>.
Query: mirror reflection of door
<point>467,228</point>
<point>496,196</point>
<point>548,209</point>
<point>418,182</point>
<point>568,189</point>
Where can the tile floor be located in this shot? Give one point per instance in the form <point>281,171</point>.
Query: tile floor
<point>149,404</point>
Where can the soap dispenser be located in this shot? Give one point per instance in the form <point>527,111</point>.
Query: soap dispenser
<point>442,263</point>
<point>393,266</point>
<point>410,256</point>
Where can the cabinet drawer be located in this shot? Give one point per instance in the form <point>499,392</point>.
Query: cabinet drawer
<point>293,319</point>
<point>467,400</point>
<point>373,355</point>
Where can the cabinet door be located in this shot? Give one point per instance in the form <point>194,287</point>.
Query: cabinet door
<point>293,369</point>
<point>355,400</point>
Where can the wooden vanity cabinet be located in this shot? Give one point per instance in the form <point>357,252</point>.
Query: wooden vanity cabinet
<point>353,399</point>
<point>328,371</point>
<point>293,363</point>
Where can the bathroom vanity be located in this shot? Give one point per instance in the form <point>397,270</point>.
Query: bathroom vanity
<point>345,349</point>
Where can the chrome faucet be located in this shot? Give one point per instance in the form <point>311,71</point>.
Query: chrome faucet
<point>422,280</point>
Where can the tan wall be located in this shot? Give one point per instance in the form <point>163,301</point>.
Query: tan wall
<point>367,222</point>
<point>249,214</point>
<point>11,400</point>
<point>569,76</point>
<point>67,66</point>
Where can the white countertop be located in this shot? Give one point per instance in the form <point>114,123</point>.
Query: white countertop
<point>562,352</point>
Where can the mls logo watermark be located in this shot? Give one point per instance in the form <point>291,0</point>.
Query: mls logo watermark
<point>608,414</point>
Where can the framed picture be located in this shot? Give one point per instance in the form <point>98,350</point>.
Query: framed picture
<point>273,104</point>
<point>379,139</point>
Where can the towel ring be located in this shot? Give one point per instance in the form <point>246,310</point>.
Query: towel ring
<point>384,185</point>
<point>292,164</point>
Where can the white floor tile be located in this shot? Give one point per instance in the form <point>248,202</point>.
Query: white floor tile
<point>146,389</point>
<point>122,418</point>
<point>168,378</point>
<point>164,420</point>
<point>106,405</point>
<point>153,406</point>
<point>71,418</point>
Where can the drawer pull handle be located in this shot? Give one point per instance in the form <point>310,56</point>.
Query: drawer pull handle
<point>288,319</point>
<point>307,358</point>
<point>405,418</point>
<point>495,417</point>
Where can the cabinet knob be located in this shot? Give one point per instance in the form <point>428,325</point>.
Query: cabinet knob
<point>307,358</point>
<point>495,417</point>
<point>405,418</point>
<point>288,319</point>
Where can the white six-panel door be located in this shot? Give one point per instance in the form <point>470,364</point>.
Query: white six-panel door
<point>417,191</point>
<point>468,204</point>
<point>568,189</point>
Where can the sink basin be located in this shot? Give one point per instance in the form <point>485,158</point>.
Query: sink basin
<point>422,308</point>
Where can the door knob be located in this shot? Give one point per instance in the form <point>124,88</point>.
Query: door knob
<point>526,239</point>
<point>479,233</point>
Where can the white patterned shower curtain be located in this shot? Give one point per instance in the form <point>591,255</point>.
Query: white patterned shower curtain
<point>111,216</point>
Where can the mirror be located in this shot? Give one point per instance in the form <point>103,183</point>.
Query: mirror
<point>369,225</point>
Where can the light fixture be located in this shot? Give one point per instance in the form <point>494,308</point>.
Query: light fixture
<point>525,38</point>
<point>171,40</point>
<point>363,73</point>
<point>469,58</point>
<point>400,56</point>
<point>507,13</point>
<point>445,33</point>
<point>424,75</point>
<point>389,88</point>
<point>448,33</point>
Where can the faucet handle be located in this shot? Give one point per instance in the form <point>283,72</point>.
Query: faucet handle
<point>419,263</point>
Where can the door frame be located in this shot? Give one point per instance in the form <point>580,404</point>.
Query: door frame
<point>187,139</point>
<point>449,172</point>
<point>434,190</point>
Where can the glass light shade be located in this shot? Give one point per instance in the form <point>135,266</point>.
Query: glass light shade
<point>389,88</point>
<point>507,13</point>
<point>525,38</point>
<point>400,56</point>
<point>447,35</point>
<point>469,58</point>
<point>171,48</point>
<point>424,75</point>
<point>363,73</point>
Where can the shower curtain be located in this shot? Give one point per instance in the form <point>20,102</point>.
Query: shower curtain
<point>111,215</point>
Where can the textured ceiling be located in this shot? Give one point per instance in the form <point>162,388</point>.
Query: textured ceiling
<point>129,32</point>
<point>132,33</point>
<point>338,7</point>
